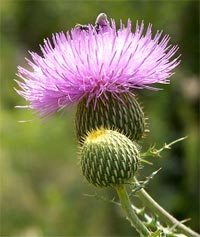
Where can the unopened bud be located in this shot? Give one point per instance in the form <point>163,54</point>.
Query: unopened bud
<point>108,158</point>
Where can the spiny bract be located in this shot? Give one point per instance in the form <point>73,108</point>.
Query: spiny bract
<point>108,158</point>
<point>123,114</point>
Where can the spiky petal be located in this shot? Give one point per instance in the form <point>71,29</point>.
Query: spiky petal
<point>92,63</point>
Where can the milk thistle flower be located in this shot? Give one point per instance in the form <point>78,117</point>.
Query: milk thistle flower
<point>93,61</point>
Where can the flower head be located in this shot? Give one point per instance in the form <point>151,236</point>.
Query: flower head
<point>93,61</point>
<point>109,158</point>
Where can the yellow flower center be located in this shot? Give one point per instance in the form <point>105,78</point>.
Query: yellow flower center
<point>96,136</point>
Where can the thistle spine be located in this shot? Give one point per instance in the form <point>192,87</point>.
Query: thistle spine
<point>123,114</point>
<point>108,158</point>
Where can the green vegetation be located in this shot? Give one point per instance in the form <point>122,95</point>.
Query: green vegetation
<point>42,187</point>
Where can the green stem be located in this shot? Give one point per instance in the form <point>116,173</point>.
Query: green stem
<point>130,213</point>
<point>149,202</point>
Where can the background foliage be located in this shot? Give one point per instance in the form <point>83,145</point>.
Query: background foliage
<point>41,184</point>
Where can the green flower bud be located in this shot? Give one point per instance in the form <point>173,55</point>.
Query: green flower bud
<point>108,158</point>
<point>123,114</point>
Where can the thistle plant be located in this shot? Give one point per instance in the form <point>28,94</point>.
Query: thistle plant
<point>100,68</point>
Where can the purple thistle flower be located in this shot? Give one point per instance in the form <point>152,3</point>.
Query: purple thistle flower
<point>94,62</point>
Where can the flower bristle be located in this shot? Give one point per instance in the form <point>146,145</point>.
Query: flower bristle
<point>91,61</point>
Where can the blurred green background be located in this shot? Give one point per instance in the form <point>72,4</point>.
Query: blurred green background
<point>42,188</point>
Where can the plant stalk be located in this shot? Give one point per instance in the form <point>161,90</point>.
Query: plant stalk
<point>130,213</point>
<point>150,203</point>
